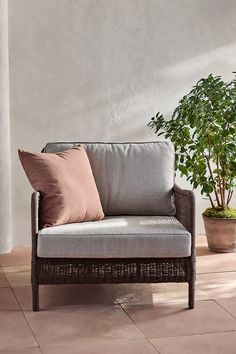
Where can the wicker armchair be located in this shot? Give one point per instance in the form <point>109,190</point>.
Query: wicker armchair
<point>56,269</point>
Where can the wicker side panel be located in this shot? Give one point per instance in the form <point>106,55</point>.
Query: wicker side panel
<point>185,208</point>
<point>185,213</point>
<point>34,231</point>
<point>140,270</point>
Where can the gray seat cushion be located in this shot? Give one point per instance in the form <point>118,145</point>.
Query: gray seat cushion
<point>132,178</point>
<point>117,237</point>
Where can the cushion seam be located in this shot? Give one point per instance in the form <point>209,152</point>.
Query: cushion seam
<point>131,234</point>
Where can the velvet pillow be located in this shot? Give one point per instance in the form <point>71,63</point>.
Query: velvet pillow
<point>66,185</point>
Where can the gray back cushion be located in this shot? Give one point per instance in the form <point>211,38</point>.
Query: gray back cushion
<point>132,178</point>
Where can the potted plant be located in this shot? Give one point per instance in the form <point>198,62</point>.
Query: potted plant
<point>203,131</point>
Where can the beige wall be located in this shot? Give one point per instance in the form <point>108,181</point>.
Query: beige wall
<point>5,154</point>
<point>98,69</point>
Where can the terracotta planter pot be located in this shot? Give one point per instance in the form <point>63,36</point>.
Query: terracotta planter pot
<point>221,234</point>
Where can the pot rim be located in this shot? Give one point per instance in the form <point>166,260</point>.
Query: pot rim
<point>223,219</point>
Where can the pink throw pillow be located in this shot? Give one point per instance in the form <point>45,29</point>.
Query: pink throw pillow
<point>66,184</point>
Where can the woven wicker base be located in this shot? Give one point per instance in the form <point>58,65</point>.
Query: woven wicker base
<point>139,270</point>
<point>90,271</point>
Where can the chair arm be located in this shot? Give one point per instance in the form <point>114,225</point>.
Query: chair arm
<point>35,212</point>
<point>185,211</point>
<point>34,220</point>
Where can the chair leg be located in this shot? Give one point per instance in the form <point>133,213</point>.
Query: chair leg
<point>191,294</point>
<point>35,293</point>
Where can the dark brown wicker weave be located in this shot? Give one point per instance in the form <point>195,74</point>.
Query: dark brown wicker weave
<point>117,270</point>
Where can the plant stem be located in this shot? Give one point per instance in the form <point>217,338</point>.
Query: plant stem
<point>220,183</point>
<point>209,168</point>
<point>230,194</point>
<point>211,174</point>
<point>212,204</point>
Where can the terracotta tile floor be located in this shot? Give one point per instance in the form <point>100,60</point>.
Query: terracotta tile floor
<point>120,319</point>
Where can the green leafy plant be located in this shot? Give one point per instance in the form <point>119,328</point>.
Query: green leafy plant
<point>203,131</point>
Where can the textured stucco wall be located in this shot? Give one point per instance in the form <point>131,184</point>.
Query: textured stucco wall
<point>98,69</point>
<point>5,158</point>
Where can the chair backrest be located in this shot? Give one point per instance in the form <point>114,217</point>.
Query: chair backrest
<point>132,178</point>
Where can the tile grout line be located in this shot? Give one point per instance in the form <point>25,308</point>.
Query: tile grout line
<point>11,350</point>
<point>196,334</point>
<point>179,336</point>
<point>38,346</point>
<point>219,272</point>
<point>123,310</point>
<point>224,308</point>
<point>147,339</point>
<point>14,265</point>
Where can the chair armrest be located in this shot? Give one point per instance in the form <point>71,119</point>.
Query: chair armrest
<point>185,211</point>
<point>35,213</point>
<point>34,220</point>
